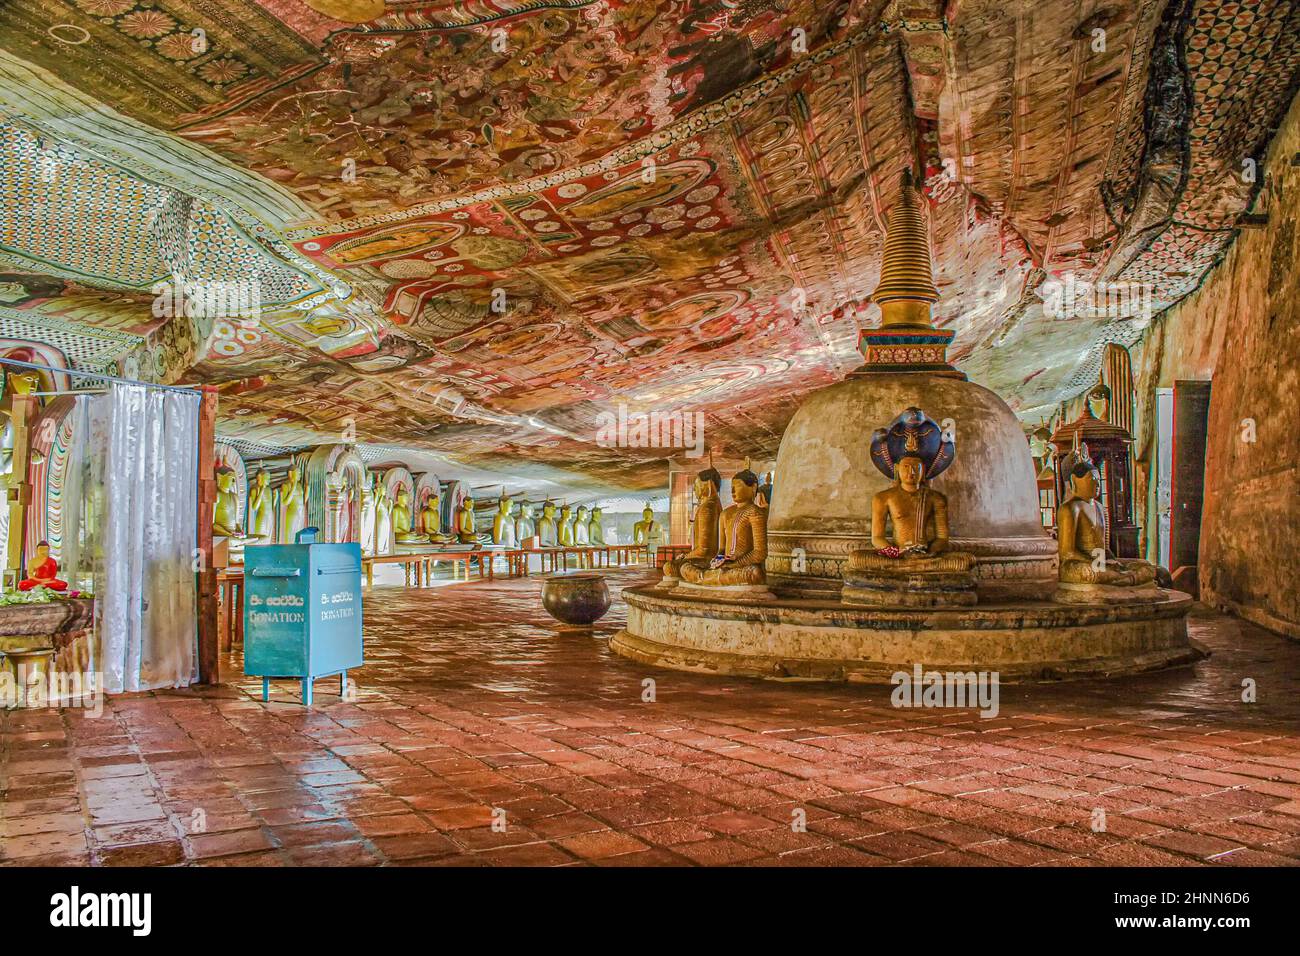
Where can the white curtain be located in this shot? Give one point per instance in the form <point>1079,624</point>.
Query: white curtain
<point>142,453</point>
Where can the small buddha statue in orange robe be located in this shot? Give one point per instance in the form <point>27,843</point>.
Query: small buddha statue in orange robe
<point>43,570</point>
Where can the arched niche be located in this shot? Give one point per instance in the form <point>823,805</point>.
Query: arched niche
<point>453,495</point>
<point>226,456</point>
<point>397,478</point>
<point>335,476</point>
<point>427,485</point>
<point>53,379</point>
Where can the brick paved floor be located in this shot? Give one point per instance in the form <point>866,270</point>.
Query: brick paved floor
<point>471,703</point>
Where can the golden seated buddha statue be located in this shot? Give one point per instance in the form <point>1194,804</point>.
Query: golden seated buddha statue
<point>646,531</point>
<point>431,520</point>
<point>467,526</point>
<point>1088,574</point>
<point>704,533</point>
<point>403,521</point>
<point>225,517</point>
<point>565,527</point>
<point>909,564</point>
<point>740,572</point>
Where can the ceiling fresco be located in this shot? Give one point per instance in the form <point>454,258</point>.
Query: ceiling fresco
<point>480,228</point>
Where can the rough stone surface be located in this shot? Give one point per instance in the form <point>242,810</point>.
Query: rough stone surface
<point>822,640</point>
<point>1241,331</point>
<point>822,500</point>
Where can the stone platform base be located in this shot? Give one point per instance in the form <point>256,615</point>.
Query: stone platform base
<point>1104,594</point>
<point>725,592</point>
<point>937,589</point>
<point>783,639</point>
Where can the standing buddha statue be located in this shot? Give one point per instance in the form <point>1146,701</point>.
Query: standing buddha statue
<point>383,520</point>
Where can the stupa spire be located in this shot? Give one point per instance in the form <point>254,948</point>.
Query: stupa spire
<point>906,341</point>
<point>906,288</point>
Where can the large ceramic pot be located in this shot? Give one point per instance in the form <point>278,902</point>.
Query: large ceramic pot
<point>577,600</point>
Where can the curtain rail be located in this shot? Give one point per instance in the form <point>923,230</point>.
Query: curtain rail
<point>97,376</point>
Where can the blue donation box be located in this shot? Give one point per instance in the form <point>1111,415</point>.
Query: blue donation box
<point>302,611</point>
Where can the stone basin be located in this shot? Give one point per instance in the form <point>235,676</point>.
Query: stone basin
<point>578,600</point>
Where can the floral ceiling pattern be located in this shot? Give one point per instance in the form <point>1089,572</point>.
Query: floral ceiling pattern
<point>478,227</point>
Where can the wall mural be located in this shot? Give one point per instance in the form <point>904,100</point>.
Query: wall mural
<point>481,227</point>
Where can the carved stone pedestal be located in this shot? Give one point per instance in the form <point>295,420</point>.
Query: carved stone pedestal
<point>1067,593</point>
<point>903,589</point>
<point>725,592</point>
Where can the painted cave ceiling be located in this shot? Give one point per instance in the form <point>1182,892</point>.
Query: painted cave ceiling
<point>475,227</point>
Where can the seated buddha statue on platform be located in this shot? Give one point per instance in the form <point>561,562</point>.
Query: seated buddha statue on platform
<point>646,531</point>
<point>566,526</point>
<point>595,528</point>
<point>431,520</point>
<point>466,532</point>
<point>909,563</point>
<point>581,533</point>
<point>524,525</point>
<point>1087,573</point>
<point>42,571</point>
<point>225,515</point>
<point>738,573</point>
<point>503,523</point>
<point>403,522</point>
<point>547,534</point>
<point>704,530</point>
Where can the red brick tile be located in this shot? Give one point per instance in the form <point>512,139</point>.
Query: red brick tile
<point>709,775</point>
<point>605,843</point>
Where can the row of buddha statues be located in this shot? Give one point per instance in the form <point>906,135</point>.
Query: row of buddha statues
<point>513,523</point>
<point>395,520</point>
<point>910,562</point>
<point>261,524</point>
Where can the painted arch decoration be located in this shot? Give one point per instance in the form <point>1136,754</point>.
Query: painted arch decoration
<point>336,477</point>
